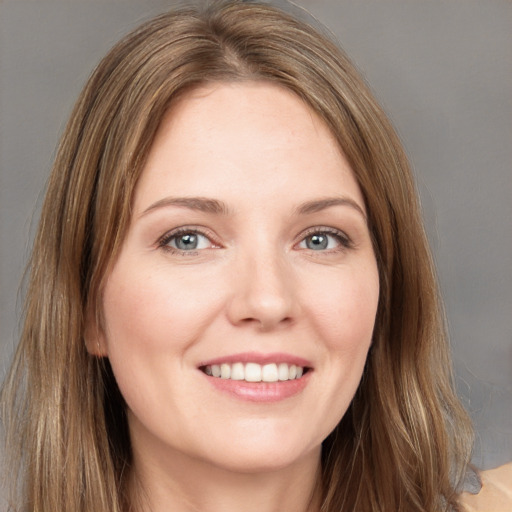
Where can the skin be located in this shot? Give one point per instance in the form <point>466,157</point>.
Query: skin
<point>255,283</point>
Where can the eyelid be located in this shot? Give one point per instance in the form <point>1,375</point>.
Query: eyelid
<point>164,240</point>
<point>344,240</point>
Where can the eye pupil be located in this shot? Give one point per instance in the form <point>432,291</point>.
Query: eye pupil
<point>317,242</point>
<point>187,241</point>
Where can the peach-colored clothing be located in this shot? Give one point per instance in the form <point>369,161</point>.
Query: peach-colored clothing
<point>496,492</point>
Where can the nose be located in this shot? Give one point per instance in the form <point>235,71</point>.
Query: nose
<point>264,293</point>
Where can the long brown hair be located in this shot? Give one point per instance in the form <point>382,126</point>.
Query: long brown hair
<point>404,443</point>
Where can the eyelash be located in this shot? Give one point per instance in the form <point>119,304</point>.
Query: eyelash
<point>165,240</point>
<point>163,243</point>
<point>342,238</point>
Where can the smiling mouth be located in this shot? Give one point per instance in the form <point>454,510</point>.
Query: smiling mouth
<point>254,372</point>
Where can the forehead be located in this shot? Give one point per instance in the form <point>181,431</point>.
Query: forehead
<point>249,137</point>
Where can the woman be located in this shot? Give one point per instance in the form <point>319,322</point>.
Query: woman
<point>232,302</point>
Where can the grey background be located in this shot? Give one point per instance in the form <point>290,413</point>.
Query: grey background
<point>443,71</point>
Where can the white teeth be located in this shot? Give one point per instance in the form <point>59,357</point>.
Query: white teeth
<point>254,372</point>
<point>269,373</point>
<point>225,371</point>
<point>237,372</point>
<point>283,372</point>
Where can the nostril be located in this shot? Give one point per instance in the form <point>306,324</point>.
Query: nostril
<point>263,296</point>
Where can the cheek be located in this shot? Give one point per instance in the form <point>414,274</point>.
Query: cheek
<point>345,311</point>
<point>344,320</point>
<point>156,309</point>
<point>152,317</point>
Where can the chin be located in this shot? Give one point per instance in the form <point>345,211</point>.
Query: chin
<point>263,454</point>
<point>253,462</point>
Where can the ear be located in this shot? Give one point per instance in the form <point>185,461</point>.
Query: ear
<point>94,335</point>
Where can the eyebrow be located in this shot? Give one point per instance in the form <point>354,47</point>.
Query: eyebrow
<point>328,202</point>
<point>202,204</point>
<point>207,205</point>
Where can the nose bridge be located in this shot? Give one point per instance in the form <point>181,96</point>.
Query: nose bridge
<point>265,291</point>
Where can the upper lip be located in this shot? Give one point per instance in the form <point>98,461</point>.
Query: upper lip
<point>259,358</point>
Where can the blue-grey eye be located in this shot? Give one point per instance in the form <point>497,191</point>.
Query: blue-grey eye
<point>320,241</point>
<point>317,242</point>
<point>189,241</point>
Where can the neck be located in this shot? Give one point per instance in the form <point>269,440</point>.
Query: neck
<point>182,484</point>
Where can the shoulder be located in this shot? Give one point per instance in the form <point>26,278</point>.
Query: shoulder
<point>496,492</point>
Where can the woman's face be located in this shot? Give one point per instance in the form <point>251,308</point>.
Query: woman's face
<point>248,255</point>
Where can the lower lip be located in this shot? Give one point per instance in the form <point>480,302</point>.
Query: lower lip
<point>260,391</point>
